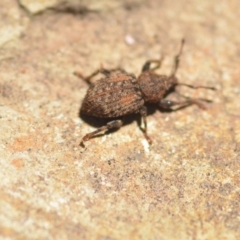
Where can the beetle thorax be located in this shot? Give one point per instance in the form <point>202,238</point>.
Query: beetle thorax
<point>154,87</point>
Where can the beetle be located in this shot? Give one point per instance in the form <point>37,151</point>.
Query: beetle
<point>120,93</point>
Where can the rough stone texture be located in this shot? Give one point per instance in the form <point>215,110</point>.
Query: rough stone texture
<point>185,186</point>
<point>37,6</point>
<point>12,24</point>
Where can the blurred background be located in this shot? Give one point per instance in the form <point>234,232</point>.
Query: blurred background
<point>185,186</point>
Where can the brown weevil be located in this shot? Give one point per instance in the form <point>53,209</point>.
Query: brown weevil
<point>120,93</point>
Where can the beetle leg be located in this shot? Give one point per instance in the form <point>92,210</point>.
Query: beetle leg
<point>101,70</point>
<point>146,66</point>
<point>177,57</point>
<point>168,104</point>
<point>143,112</point>
<point>195,87</point>
<point>110,125</point>
<point>88,78</point>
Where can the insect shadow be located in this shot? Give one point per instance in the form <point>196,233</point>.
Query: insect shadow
<point>128,119</point>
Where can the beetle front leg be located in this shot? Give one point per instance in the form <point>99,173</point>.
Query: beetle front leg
<point>146,66</point>
<point>111,125</point>
<point>143,112</point>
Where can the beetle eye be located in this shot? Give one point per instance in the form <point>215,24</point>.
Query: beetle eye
<point>165,103</point>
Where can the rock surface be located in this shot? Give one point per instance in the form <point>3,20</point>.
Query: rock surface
<point>185,186</point>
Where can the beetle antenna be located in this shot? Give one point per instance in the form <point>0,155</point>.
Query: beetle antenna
<point>176,59</point>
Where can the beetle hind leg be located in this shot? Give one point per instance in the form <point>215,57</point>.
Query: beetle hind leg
<point>110,125</point>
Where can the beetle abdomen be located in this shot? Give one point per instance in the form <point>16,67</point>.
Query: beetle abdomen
<point>114,96</point>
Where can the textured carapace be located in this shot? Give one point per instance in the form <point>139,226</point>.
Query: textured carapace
<point>116,95</point>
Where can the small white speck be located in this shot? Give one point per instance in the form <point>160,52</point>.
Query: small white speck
<point>62,200</point>
<point>173,150</point>
<point>145,145</point>
<point>77,121</point>
<point>58,138</point>
<point>60,116</point>
<point>165,134</point>
<point>129,39</point>
<point>54,204</point>
<point>166,119</point>
<point>104,138</point>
